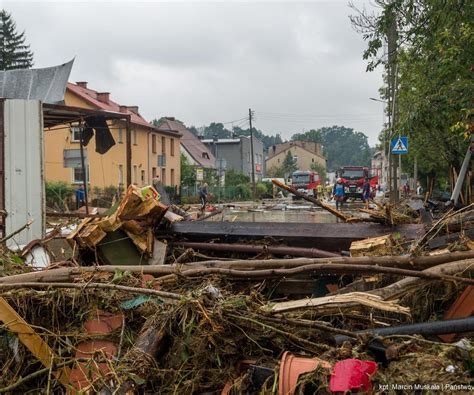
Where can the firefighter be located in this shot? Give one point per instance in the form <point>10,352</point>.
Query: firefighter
<point>319,191</point>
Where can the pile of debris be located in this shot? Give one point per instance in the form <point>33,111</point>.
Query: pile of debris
<point>252,316</point>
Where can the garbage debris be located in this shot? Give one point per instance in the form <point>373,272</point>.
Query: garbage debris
<point>141,306</point>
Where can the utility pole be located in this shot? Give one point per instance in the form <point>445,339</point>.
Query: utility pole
<point>392,39</point>
<point>251,153</point>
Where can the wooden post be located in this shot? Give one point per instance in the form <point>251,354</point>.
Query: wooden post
<point>128,143</point>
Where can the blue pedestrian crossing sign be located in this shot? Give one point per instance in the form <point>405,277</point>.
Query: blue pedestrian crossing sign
<point>400,145</point>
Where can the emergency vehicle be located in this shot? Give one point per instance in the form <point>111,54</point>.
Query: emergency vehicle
<point>305,181</point>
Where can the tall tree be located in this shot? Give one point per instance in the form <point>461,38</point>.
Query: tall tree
<point>341,145</point>
<point>289,164</point>
<point>14,53</point>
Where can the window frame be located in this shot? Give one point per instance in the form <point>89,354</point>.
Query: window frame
<point>76,181</point>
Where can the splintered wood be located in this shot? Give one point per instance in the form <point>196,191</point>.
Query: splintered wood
<point>138,202</point>
<point>327,304</point>
<point>375,246</point>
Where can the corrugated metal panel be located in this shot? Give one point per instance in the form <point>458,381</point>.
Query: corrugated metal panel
<point>47,84</point>
<point>24,180</point>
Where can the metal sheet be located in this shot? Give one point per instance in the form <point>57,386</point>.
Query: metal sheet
<point>24,176</point>
<point>47,84</point>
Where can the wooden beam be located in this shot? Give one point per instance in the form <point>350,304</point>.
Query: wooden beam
<point>32,341</point>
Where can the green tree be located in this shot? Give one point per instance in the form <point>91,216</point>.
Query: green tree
<point>321,170</point>
<point>188,172</point>
<point>14,53</point>
<point>289,164</point>
<point>233,178</point>
<point>341,146</point>
<point>435,84</point>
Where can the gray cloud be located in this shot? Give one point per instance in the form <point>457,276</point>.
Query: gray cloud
<point>204,62</point>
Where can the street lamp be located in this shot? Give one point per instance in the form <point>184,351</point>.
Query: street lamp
<point>381,101</point>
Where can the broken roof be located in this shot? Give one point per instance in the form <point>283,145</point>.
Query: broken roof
<point>46,84</point>
<point>191,143</point>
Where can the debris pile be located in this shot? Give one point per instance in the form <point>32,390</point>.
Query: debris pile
<point>254,315</point>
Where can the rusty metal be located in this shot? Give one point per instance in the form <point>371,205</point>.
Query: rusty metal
<point>257,249</point>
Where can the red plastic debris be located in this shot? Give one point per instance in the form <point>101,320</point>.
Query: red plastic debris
<point>352,374</point>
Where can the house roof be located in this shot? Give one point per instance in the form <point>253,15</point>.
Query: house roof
<point>91,96</point>
<point>191,143</point>
<point>296,146</point>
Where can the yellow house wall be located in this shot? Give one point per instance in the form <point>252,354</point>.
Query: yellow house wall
<point>305,159</point>
<point>104,169</point>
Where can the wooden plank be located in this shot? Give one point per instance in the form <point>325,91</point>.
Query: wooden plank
<point>32,341</point>
<point>327,236</point>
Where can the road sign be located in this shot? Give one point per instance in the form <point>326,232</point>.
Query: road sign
<point>400,145</point>
<point>199,174</point>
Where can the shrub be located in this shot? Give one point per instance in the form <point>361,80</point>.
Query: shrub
<point>58,194</point>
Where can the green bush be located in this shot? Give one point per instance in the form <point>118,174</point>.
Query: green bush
<point>58,194</point>
<point>261,189</point>
<point>243,192</point>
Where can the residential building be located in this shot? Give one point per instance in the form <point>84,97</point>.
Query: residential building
<point>154,152</point>
<point>236,153</point>
<point>379,167</point>
<point>305,154</point>
<point>192,148</point>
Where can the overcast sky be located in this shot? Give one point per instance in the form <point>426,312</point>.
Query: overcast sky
<point>297,65</point>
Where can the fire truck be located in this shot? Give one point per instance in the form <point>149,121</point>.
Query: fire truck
<point>353,178</point>
<point>305,181</point>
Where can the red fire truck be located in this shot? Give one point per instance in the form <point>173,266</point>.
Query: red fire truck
<point>305,181</point>
<point>353,178</point>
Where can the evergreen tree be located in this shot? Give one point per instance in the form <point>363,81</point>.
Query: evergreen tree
<point>14,53</point>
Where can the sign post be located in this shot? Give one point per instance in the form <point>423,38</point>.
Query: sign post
<point>400,145</point>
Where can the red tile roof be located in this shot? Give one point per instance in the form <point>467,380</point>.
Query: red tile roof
<point>198,151</point>
<point>91,97</point>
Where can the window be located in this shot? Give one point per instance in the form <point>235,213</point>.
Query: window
<point>295,158</point>
<point>143,177</point>
<point>163,176</point>
<point>120,135</point>
<point>163,145</point>
<point>172,177</point>
<point>135,138</point>
<point>248,157</point>
<point>78,176</point>
<point>172,147</point>
<point>278,160</point>
<point>153,172</point>
<point>135,174</point>
<point>75,134</point>
<point>312,160</point>
<point>153,143</point>
<point>205,155</point>
<point>120,174</point>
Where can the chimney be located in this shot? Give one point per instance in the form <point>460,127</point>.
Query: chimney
<point>123,109</point>
<point>82,84</point>
<point>170,118</point>
<point>133,109</point>
<point>103,97</point>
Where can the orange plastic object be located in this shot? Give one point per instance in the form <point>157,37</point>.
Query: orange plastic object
<point>461,308</point>
<point>291,367</point>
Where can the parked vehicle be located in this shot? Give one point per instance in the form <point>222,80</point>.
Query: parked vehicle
<point>305,181</point>
<point>353,178</point>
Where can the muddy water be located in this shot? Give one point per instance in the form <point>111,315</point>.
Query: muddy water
<point>314,216</point>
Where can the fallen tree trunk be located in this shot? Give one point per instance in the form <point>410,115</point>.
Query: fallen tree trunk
<point>69,274</point>
<point>257,249</point>
<point>315,201</point>
<point>310,270</point>
<point>116,287</point>
<point>396,290</point>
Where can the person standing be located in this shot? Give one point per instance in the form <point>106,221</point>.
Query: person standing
<point>366,192</point>
<point>319,191</point>
<point>203,196</point>
<point>80,197</point>
<point>339,193</point>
